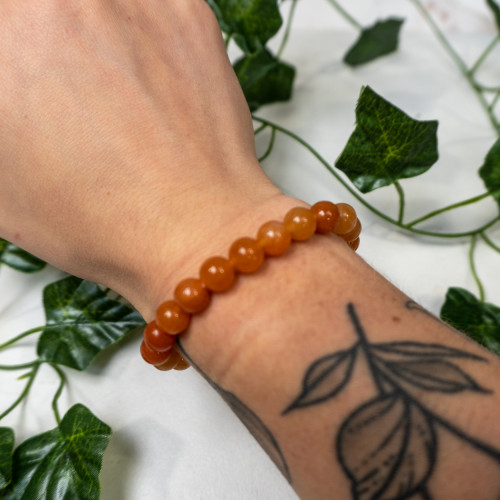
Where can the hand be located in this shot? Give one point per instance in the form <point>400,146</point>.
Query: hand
<point>126,145</point>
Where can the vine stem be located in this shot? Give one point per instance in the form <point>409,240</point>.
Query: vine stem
<point>57,395</point>
<point>458,61</point>
<point>369,206</point>
<point>269,147</point>
<point>489,242</point>
<point>18,367</point>
<point>25,392</point>
<point>401,195</point>
<point>494,101</point>
<point>288,27</point>
<point>486,52</point>
<point>346,15</point>
<point>21,336</point>
<point>473,269</point>
<point>463,203</point>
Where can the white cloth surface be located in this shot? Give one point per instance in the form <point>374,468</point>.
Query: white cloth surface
<point>173,437</point>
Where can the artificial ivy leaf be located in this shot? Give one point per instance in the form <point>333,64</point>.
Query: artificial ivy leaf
<point>81,321</point>
<point>63,463</point>
<point>387,448</point>
<point>264,79</point>
<point>490,171</point>
<point>19,259</point>
<point>479,320</point>
<point>6,449</point>
<point>375,41</point>
<point>434,375</point>
<point>495,8</point>
<point>325,379</point>
<point>251,23</point>
<point>386,145</point>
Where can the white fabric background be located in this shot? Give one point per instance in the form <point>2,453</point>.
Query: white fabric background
<point>173,436</point>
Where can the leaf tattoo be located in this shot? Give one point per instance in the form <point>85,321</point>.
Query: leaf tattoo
<point>327,377</point>
<point>388,446</point>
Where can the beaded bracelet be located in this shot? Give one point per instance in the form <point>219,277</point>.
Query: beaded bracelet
<point>246,255</point>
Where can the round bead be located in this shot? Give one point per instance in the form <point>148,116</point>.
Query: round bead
<point>246,255</point>
<point>171,318</point>
<point>192,296</point>
<point>170,362</point>
<point>327,215</point>
<point>347,219</point>
<point>182,364</point>
<point>301,223</point>
<point>217,274</point>
<point>157,339</point>
<point>354,244</point>
<point>274,238</point>
<point>151,356</point>
<point>352,235</point>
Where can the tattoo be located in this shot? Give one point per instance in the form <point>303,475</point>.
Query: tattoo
<point>252,422</point>
<point>388,446</point>
<point>411,305</point>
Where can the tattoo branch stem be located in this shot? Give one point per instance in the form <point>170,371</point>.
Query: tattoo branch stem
<point>363,342</point>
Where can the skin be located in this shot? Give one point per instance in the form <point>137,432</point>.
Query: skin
<point>122,121</point>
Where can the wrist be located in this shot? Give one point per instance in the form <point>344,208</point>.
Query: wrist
<point>159,263</point>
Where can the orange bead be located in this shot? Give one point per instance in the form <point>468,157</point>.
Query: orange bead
<point>157,339</point>
<point>354,244</point>
<point>352,235</point>
<point>192,296</point>
<point>217,274</point>
<point>182,364</point>
<point>274,238</point>
<point>246,255</point>
<point>347,219</point>
<point>171,318</point>
<point>327,215</point>
<point>170,362</point>
<point>151,356</point>
<point>301,223</point>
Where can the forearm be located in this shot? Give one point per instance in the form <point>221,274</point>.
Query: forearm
<point>301,346</point>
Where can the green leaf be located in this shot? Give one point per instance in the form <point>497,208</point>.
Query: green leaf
<point>386,145</point>
<point>490,171</point>
<point>264,79</point>
<point>251,23</point>
<point>19,259</point>
<point>6,449</point>
<point>495,8</point>
<point>479,320</point>
<point>81,321</point>
<point>375,41</point>
<point>63,463</point>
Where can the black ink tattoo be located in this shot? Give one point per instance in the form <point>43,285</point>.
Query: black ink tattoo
<point>411,305</point>
<point>252,422</point>
<point>388,446</point>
